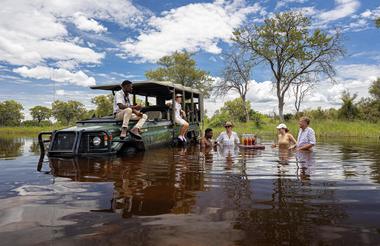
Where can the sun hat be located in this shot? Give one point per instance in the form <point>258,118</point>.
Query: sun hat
<point>228,123</point>
<point>282,125</point>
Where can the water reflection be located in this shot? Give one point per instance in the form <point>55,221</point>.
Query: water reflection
<point>184,196</point>
<point>147,184</point>
<point>305,161</point>
<point>11,147</point>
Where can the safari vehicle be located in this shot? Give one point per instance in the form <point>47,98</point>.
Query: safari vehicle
<point>100,136</point>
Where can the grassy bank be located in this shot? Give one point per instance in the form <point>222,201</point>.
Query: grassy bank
<point>322,128</point>
<point>29,131</point>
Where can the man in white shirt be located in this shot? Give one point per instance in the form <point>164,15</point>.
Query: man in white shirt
<point>124,110</point>
<point>306,135</point>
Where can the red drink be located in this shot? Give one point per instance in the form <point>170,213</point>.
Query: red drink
<point>245,141</point>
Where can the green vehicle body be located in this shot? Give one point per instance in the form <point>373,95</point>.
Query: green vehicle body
<point>158,130</point>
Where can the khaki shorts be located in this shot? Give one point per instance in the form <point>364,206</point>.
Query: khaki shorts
<point>180,121</point>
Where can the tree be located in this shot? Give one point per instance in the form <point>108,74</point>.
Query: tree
<point>369,108</point>
<point>377,22</point>
<point>68,112</point>
<point>236,77</point>
<point>40,113</point>
<point>291,50</point>
<point>374,89</point>
<point>10,113</point>
<point>104,105</point>
<point>233,111</point>
<point>348,110</point>
<point>236,109</point>
<point>300,90</point>
<point>180,68</point>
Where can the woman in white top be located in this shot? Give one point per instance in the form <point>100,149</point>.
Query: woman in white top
<point>179,113</point>
<point>228,137</point>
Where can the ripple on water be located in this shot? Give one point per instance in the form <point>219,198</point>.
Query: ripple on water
<point>185,196</point>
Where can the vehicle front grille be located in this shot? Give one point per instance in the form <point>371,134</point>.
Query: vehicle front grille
<point>63,141</point>
<point>87,145</point>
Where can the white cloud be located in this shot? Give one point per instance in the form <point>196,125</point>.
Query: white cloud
<point>60,92</point>
<point>86,24</point>
<point>342,9</point>
<point>307,11</point>
<point>283,3</point>
<point>353,77</point>
<point>359,71</point>
<point>35,32</point>
<point>193,27</point>
<point>59,75</point>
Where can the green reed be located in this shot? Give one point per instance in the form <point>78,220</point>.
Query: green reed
<point>322,128</point>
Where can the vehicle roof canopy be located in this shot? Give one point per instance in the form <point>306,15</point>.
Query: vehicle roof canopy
<point>154,88</point>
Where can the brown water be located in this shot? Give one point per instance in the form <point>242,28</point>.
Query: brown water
<point>188,197</point>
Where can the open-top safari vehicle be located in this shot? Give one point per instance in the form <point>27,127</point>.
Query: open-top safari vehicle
<point>101,135</point>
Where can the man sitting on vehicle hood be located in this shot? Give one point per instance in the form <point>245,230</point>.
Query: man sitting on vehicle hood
<point>124,110</point>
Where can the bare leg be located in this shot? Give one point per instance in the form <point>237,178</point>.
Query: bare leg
<point>184,129</point>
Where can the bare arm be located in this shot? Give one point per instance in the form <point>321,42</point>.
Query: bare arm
<point>292,139</point>
<point>306,147</point>
<point>274,145</point>
<point>203,143</point>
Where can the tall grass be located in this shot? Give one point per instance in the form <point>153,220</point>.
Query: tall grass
<point>322,128</point>
<point>29,131</point>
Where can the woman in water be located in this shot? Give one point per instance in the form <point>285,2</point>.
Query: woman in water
<point>285,138</point>
<point>228,137</point>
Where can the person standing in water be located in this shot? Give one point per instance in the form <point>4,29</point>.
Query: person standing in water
<point>206,141</point>
<point>306,135</point>
<point>285,138</point>
<point>228,137</point>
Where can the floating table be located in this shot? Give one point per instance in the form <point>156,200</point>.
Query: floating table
<point>255,146</point>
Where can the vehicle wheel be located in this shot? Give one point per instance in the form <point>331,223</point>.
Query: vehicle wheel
<point>192,137</point>
<point>130,151</point>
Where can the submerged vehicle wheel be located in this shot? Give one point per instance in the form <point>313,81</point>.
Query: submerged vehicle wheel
<point>130,151</point>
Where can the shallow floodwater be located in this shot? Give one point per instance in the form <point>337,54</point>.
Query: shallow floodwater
<point>173,196</point>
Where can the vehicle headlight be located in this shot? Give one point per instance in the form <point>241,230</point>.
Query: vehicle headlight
<point>96,141</point>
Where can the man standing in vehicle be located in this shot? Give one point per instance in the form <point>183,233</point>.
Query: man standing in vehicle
<point>124,110</point>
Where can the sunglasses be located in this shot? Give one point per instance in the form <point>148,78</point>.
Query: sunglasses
<point>228,126</point>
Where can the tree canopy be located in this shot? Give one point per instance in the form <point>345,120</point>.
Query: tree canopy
<point>181,68</point>
<point>40,113</point>
<point>233,111</point>
<point>10,113</point>
<point>104,105</point>
<point>68,112</point>
<point>374,89</point>
<point>290,49</point>
<point>349,110</point>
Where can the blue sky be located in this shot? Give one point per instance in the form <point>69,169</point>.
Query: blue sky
<point>52,49</point>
